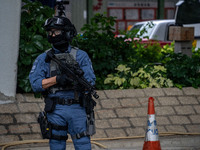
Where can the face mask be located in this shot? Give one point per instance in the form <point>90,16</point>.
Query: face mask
<point>56,40</point>
<point>62,47</point>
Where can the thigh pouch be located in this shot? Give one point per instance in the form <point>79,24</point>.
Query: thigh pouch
<point>47,127</point>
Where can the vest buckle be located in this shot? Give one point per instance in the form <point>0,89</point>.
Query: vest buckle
<point>67,102</point>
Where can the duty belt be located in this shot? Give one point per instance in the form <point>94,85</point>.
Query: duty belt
<point>65,101</point>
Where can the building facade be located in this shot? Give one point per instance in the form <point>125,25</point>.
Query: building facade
<point>127,12</point>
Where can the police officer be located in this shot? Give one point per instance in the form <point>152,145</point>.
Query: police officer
<point>62,103</point>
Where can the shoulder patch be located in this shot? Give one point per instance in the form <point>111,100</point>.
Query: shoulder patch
<point>34,66</point>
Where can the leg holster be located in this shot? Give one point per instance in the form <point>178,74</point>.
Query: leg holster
<point>46,128</point>
<point>91,129</point>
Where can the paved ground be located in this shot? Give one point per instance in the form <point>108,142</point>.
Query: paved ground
<point>167,143</point>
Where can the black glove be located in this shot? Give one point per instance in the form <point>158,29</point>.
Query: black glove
<point>63,80</point>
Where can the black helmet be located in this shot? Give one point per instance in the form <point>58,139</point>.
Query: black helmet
<point>61,23</point>
<point>57,23</point>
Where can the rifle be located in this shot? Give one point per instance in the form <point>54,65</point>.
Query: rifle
<point>76,74</point>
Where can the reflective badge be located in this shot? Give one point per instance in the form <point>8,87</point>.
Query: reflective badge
<point>34,66</point>
<point>91,65</point>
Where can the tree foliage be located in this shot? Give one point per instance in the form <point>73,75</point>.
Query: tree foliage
<point>33,40</point>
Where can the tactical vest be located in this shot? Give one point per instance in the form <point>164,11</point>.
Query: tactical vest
<point>69,58</point>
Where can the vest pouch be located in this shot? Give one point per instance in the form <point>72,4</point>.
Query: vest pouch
<point>55,69</point>
<point>50,105</point>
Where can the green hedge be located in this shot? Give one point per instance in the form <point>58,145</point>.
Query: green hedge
<point>108,53</point>
<point>148,65</point>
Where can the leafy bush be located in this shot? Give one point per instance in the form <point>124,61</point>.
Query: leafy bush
<point>104,49</point>
<point>147,77</point>
<point>33,40</point>
<point>150,53</point>
<point>184,70</point>
<point>177,70</point>
<point>108,52</point>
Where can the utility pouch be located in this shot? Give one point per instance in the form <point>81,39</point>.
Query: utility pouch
<point>91,128</point>
<point>88,103</point>
<point>44,125</point>
<point>49,105</point>
<point>46,128</point>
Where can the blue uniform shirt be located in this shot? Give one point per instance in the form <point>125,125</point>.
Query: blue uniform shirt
<point>41,70</point>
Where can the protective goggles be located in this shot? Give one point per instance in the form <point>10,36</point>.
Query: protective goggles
<point>54,32</point>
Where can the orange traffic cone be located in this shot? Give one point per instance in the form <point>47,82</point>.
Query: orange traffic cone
<point>152,139</point>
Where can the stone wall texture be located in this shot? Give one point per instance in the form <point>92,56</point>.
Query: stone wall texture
<point>119,113</point>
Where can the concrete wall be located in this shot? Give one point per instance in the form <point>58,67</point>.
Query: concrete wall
<point>79,14</point>
<point>119,113</point>
<point>9,43</point>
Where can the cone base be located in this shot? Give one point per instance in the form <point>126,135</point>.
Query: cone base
<point>152,145</point>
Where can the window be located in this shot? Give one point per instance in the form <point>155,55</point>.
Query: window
<point>132,14</point>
